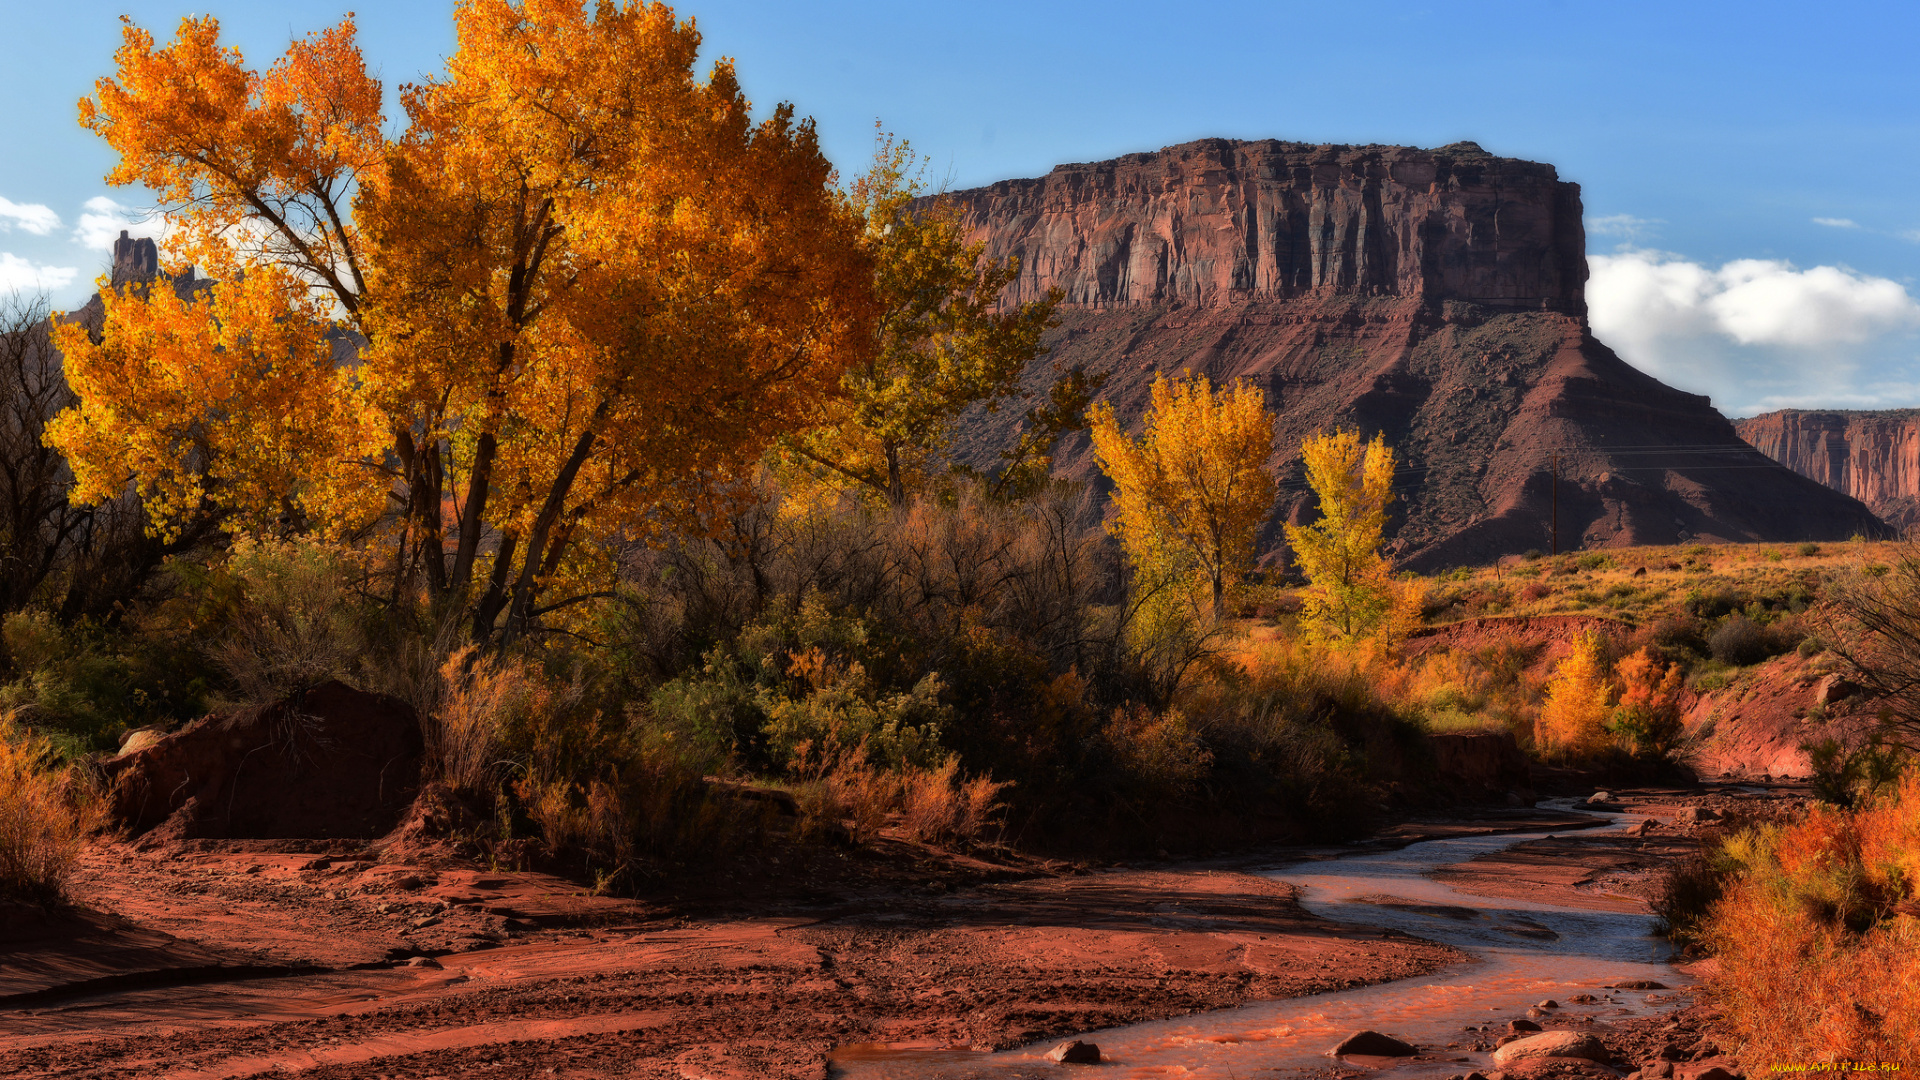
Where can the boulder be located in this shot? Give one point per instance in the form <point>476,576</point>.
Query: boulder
<point>1372,1044</point>
<point>1522,1026</point>
<point>1550,1044</point>
<point>1075,1052</point>
<point>1695,815</point>
<point>1599,798</point>
<point>1833,690</point>
<point>1638,984</point>
<point>329,762</point>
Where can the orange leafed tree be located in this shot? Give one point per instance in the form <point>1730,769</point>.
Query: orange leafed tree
<point>589,287</point>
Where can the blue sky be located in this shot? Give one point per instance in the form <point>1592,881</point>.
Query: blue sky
<point>1748,168</point>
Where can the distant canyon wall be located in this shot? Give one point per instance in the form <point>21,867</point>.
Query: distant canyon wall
<point>1872,455</point>
<point>1219,221</point>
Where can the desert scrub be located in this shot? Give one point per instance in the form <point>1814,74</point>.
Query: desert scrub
<point>1818,934</point>
<point>47,811</point>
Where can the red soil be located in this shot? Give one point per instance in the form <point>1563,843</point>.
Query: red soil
<point>535,977</point>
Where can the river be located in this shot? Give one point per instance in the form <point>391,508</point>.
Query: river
<point>1523,952</point>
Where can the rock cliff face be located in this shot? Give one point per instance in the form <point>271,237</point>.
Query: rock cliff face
<point>1873,456</point>
<point>1218,222</point>
<point>1433,295</point>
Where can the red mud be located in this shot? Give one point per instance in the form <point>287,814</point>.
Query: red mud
<point>534,977</point>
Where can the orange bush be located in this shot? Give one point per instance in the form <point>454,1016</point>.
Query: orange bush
<point>1647,717</point>
<point>1818,937</point>
<point>47,812</point>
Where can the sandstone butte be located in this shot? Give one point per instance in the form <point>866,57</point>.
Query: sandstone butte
<point>1436,296</point>
<point>1872,455</point>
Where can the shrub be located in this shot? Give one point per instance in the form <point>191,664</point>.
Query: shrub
<point>941,806</point>
<point>1738,641</point>
<point>479,699</point>
<point>47,811</point>
<point>1160,752</point>
<point>298,619</point>
<point>1687,892</point>
<point>1846,776</point>
<point>1808,549</point>
<point>1819,950</point>
<point>1647,719</point>
<point>83,686</point>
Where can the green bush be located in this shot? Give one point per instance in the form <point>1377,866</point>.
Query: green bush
<point>84,686</point>
<point>1738,641</point>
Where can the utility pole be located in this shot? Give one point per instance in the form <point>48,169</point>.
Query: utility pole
<point>1555,542</point>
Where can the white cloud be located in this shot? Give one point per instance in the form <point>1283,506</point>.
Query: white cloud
<point>1759,333</point>
<point>1837,222</point>
<point>31,217</point>
<point>18,275</point>
<point>1625,226</point>
<point>101,223</point>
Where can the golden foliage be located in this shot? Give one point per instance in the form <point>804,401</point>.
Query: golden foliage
<point>226,400</point>
<point>591,288</point>
<point>1818,938</point>
<point>1192,490</point>
<point>1350,592</point>
<point>1579,701</point>
<point>943,341</point>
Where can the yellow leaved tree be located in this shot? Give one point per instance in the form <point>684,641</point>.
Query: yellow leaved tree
<point>588,289</point>
<point>1191,491</point>
<point>1350,594</point>
<point>1579,701</point>
<point>943,342</point>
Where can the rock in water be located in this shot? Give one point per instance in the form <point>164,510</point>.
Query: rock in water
<point>1075,1052</point>
<point>1373,1044</point>
<point>1436,296</point>
<point>1550,1044</point>
<point>1522,1026</point>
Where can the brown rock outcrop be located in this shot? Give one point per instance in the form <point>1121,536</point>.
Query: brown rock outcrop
<point>331,762</point>
<point>1872,455</point>
<point>1432,295</point>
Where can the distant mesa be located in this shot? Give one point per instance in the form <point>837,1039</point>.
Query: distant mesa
<point>1437,296</point>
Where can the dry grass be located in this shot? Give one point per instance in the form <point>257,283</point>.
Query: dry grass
<point>1818,936</point>
<point>938,805</point>
<point>474,698</point>
<point>942,806</point>
<point>1639,585</point>
<point>47,812</point>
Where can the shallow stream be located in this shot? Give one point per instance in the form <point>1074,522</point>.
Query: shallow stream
<point>1524,952</point>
